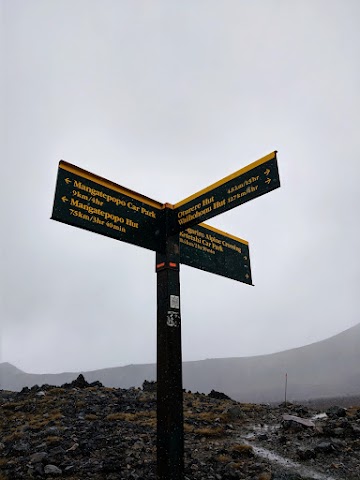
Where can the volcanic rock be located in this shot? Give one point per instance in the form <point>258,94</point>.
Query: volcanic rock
<point>86,431</point>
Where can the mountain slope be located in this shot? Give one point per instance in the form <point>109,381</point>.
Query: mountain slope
<point>327,368</point>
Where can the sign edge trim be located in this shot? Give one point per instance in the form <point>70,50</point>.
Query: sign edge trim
<point>226,179</point>
<point>221,232</point>
<point>109,184</point>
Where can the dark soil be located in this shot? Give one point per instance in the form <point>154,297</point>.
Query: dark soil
<point>83,431</point>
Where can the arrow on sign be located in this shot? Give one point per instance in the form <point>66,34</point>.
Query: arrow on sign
<point>268,180</point>
<point>67,180</point>
<point>64,199</point>
<point>267,171</point>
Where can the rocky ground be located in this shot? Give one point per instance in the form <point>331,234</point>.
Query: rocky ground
<point>82,431</point>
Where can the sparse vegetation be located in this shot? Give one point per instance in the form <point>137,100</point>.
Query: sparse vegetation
<point>51,440</point>
<point>222,458</point>
<point>13,436</point>
<point>87,422</point>
<point>353,411</point>
<point>90,417</point>
<point>56,391</point>
<point>131,417</point>
<point>242,450</point>
<point>188,428</point>
<point>210,431</point>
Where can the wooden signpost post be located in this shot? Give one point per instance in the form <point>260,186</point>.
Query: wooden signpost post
<point>176,234</point>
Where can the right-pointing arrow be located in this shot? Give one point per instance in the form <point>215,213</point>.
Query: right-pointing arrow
<point>268,180</point>
<point>267,171</point>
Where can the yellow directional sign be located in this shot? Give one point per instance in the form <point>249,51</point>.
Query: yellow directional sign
<point>246,184</point>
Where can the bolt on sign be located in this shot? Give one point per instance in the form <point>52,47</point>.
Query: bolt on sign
<point>177,235</point>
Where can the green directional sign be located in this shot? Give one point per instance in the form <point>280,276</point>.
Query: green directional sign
<point>242,186</point>
<point>214,251</point>
<point>88,201</point>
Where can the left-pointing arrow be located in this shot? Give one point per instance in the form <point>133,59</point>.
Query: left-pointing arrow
<point>67,180</point>
<point>268,180</point>
<point>64,199</point>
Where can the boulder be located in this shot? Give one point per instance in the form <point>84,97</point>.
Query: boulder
<point>296,423</point>
<point>218,395</point>
<point>336,412</point>
<point>305,453</point>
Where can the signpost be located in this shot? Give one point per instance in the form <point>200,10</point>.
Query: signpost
<point>170,432</point>
<point>175,233</point>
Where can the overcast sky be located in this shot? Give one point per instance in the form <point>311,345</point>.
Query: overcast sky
<point>165,98</point>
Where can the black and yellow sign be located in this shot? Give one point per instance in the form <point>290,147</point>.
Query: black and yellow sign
<point>176,233</point>
<point>214,251</point>
<point>93,203</point>
<point>246,184</point>
<point>88,201</point>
